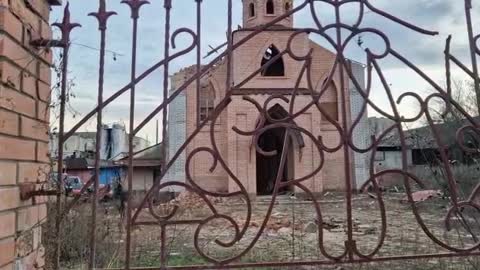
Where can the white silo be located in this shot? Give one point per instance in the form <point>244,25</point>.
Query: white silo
<point>104,148</point>
<point>119,141</point>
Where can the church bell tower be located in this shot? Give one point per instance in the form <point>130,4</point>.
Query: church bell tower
<point>260,12</point>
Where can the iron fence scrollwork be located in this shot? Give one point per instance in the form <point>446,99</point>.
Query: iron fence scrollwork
<point>339,35</point>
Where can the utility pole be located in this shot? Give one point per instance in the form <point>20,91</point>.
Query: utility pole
<point>156,136</point>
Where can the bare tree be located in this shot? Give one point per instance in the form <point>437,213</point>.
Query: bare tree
<point>463,93</point>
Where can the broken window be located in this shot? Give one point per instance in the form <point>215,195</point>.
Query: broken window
<point>252,10</point>
<point>277,68</point>
<point>270,7</point>
<point>330,105</point>
<point>207,99</point>
<point>287,7</point>
<point>426,156</point>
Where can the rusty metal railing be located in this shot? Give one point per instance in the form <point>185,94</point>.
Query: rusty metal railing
<point>344,34</point>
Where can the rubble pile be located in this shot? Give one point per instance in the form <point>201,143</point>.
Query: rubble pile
<point>192,200</point>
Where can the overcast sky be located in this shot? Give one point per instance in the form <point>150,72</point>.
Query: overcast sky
<point>444,16</point>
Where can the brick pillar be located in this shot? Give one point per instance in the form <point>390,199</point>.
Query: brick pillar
<point>24,116</point>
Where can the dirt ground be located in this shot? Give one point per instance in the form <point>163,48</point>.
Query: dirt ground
<point>291,233</point>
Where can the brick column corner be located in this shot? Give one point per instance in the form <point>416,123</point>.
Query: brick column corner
<point>24,124</point>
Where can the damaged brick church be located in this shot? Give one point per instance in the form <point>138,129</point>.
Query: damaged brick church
<point>257,172</point>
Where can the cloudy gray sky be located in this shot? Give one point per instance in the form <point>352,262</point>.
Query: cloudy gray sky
<point>444,16</point>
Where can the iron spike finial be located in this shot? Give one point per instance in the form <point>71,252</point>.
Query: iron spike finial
<point>167,4</point>
<point>66,26</point>
<point>102,15</point>
<point>469,4</point>
<point>135,6</point>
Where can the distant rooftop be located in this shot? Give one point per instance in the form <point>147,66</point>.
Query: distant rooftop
<point>55,2</point>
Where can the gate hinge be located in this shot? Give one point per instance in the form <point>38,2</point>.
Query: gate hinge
<point>29,191</point>
<point>48,43</point>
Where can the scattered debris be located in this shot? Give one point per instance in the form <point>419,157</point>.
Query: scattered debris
<point>311,228</point>
<point>275,224</point>
<point>301,222</point>
<point>366,229</point>
<point>329,225</point>
<point>421,196</point>
<point>284,231</point>
<point>254,224</point>
<point>278,215</point>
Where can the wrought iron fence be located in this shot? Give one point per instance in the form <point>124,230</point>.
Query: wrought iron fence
<point>338,34</point>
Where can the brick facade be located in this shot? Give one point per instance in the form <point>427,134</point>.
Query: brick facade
<point>237,150</point>
<point>24,101</point>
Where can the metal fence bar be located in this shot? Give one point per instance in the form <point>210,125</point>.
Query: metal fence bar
<point>199,51</point>
<point>65,27</point>
<point>351,255</point>
<point>228,81</point>
<point>102,16</point>
<point>473,49</point>
<point>135,6</point>
<point>168,7</point>
<point>319,263</point>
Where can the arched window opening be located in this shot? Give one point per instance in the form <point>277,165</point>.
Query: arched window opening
<point>330,105</point>
<point>287,7</point>
<point>270,7</point>
<point>275,69</point>
<point>252,10</point>
<point>207,99</point>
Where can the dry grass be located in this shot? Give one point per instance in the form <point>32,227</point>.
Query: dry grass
<point>75,237</point>
<point>284,240</point>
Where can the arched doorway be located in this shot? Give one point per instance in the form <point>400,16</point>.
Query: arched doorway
<point>275,69</point>
<point>268,166</point>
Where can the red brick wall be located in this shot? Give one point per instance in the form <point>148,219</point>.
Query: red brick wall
<point>237,150</point>
<point>24,97</point>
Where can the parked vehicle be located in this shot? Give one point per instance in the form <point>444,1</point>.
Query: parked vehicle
<point>73,185</point>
